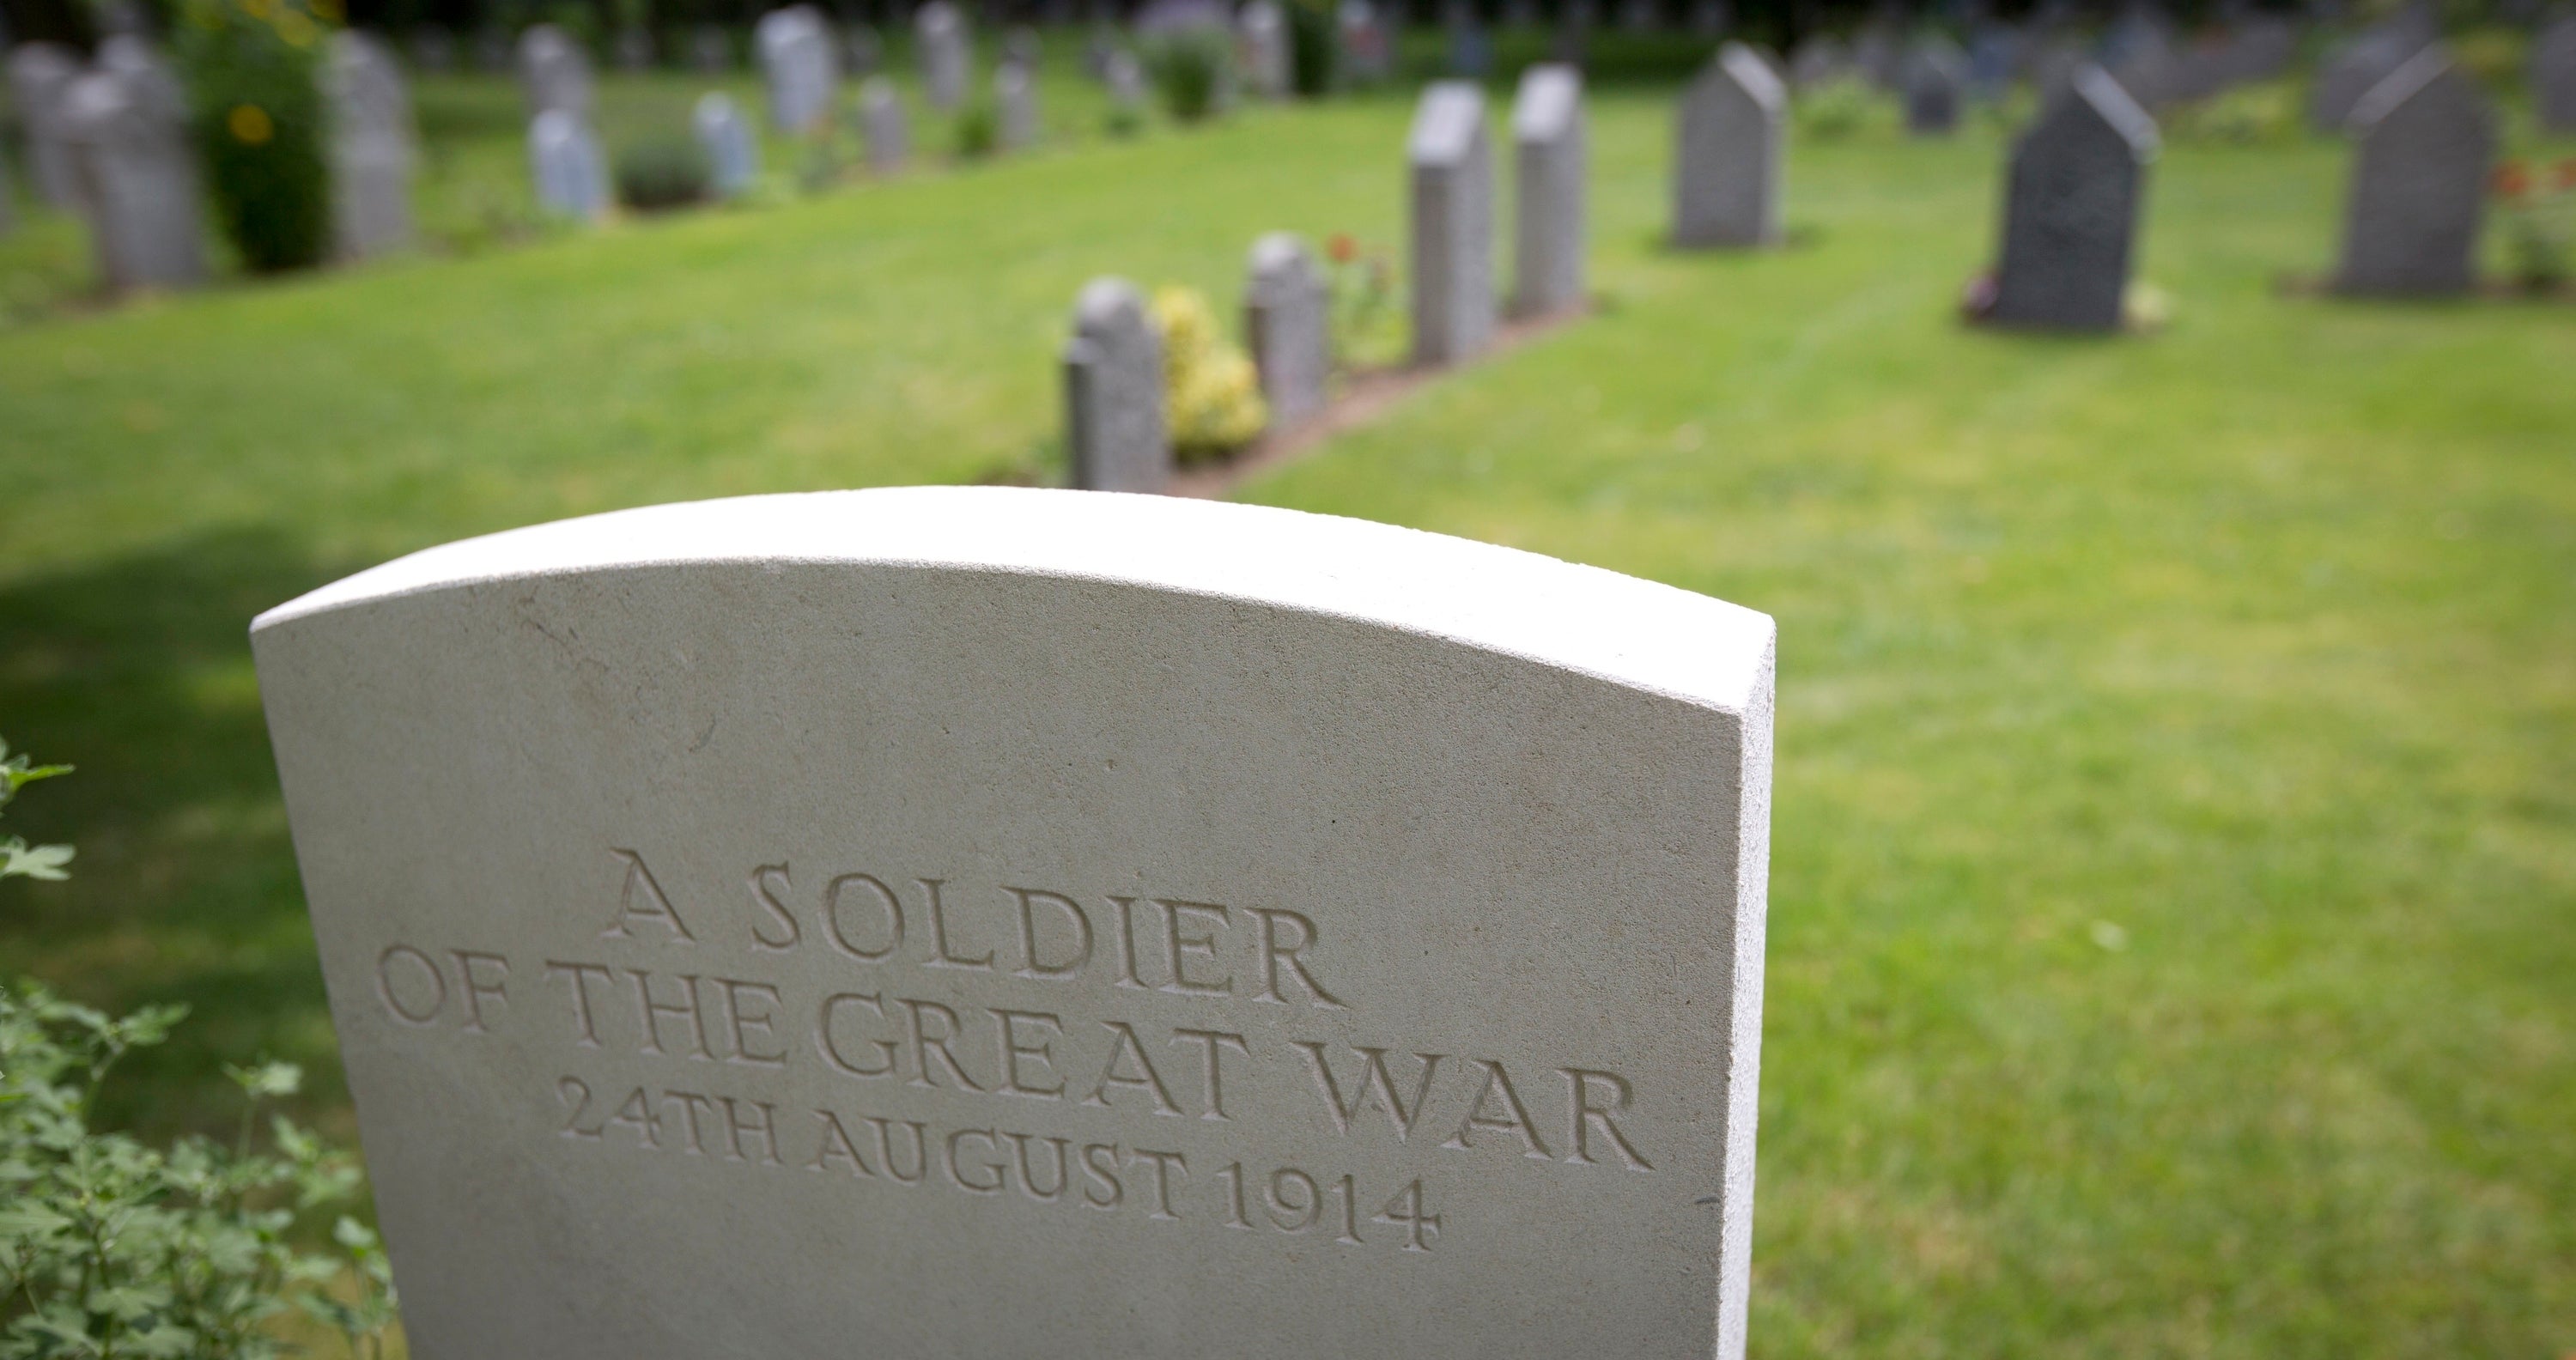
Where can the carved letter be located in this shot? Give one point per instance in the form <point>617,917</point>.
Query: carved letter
<point>1013,1050</point>
<point>1163,1164</point>
<point>1208,1042</point>
<point>476,989</point>
<point>689,1103</point>
<point>924,1043</point>
<point>589,1034</point>
<point>832,917</point>
<point>832,1051</point>
<point>836,1143</point>
<point>1374,1083</point>
<point>1029,1174</point>
<point>885,1149</point>
<point>1183,948</point>
<point>1274,953</point>
<point>958,1174</point>
<point>766,1126</point>
<point>657,904</point>
<point>1029,965</point>
<point>410,1015</point>
<point>942,956</point>
<point>1515,1117</point>
<point>1127,944</point>
<point>765,1021</point>
<point>1101,1174</point>
<point>1586,1114</point>
<point>1151,1080</point>
<point>639,1112</point>
<point>767,897</point>
<point>654,1010</point>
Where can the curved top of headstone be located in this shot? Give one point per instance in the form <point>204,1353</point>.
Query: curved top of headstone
<point>1279,257</point>
<point>1636,633</point>
<point>1743,70</point>
<point>2095,94</point>
<point>1550,99</point>
<point>938,17</point>
<point>715,108</point>
<point>1448,124</point>
<point>2428,81</point>
<point>1108,304</point>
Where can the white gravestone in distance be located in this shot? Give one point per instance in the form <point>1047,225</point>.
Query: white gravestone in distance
<point>1548,137</point>
<point>1728,153</point>
<point>1287,324</point>
<point>882,125</point>
<point>800,66</point>
<point>1001,922</point>
<point>939,31</point>
<point>1015,98</point>
<point>1261,32</point>
<point>1453,225</point>
<point>40,77</point>
<point>135,179</point>
<point>571,175</point>
<point>373,146</point>
<point>733,154</point>
<point>554,73</point>
<point>1117,432</point>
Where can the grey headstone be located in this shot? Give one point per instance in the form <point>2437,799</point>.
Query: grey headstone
<point>554,73</point>
<point>135,180</point>
<point>2553,75</point>
<point>939,32</point>
<point>571,175</point>
<point>882,125</point>
<point>800,66</point>
<point>1548,134</point>
<point>1261,31</point>
<point>1453,225</point>
<point>1819,60</point>
<point>1125,77</point>
<point>1936,78</point>
<point>710,50</point>
<point>2419,182</point>
<point>1367,50</point>
<point>2140,54</point>
<point>2053,67</point>
<point>2356,67</point>
<point>40,80</point>
<point>732,151</point>
<point>1015,96</point>
<point>1729,153</point>
<point>374,146</point>
<point>1115,430</point>
<point>1287,324</point>
<point>2071,209</point>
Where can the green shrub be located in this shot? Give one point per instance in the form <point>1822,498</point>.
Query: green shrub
<point>1123,121</point>
<point>2248,115</point>
<point>664,173</point>
<point>114,1250</point>
<point>979,130</point>
<point>250,67</point>
<point>1314,49</point>
<point>1189,69</point>
<point>1834,109</point>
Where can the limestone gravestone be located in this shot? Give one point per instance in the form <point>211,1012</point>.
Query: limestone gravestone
<point>1548,142</point>
<point>939,32</point>
<point>1287,324</point>
<point>373,146</point>
<point>1261,32</point>
<point>798,64</point>
<point>2553,75</point>
<point>1729,155</point>
<point>1016,98</point>
<point>571,175</point>
<point>40,81</point>
<point>134,179</point>
<point>2071,206</point>
<point>1453,225</point>
<point>2356,67</point>
<point>882,125</point>
<point>1936,77</point>
<point>1046,924</point>
<point>2419,182</point>
<point>1117,436</point>
<point>554,73</point>
<point>733,154</point>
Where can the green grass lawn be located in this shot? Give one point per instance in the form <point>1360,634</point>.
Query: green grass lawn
<point>2174,898</point>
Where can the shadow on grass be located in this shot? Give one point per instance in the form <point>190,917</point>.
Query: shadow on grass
<point>137,671</point>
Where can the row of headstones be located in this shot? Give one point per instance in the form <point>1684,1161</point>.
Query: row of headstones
<point>1116,433</point>
<point>2351,73</point>
<point>110,142</point>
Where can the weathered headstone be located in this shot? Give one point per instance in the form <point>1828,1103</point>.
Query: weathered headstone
<point>2553,75</point>
<point>2071,210</point>
<point>939,32</point>
<point>1818,61</point>
<point>710,50</point>
<point>134,180</point>
<point>1935,80</point>
<point>40,81</point>
<point>571,175</point>
<point>1453,225</point>
<point>1117,436</point>
<point>1287,324</point>
<point>2419,182</point>
<point>1015,96</point>
<point>1729,154</point>
<point>2354,69</point>
<point>554,73</point>
<point>992,901</point>
<point>1548,137</point>
<point>732,152</point>
<point>802,70</point>
<point>374,146</point>
<point>1261,33</point>
<point>882,125</point>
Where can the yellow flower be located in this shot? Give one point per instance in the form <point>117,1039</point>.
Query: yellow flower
<point>250,125</point>
<point>1210,386</point>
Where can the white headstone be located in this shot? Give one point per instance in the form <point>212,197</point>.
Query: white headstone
<point>939,31</point>
<point>1729,153</point>
<point>135,179</point>
<point>554,73</point>
<point>40,79</point>
<point>1117,435</point>
<point>998,922</point>
<point>1548,137</point>
<point>732,152</point>
<point>1262,32</point>
<point>1453,225</point>
<point>800,66</point>
<point>374,146</point>
<point>882,125</point>
<point>571,175</point>
<point>1015,96</point>
<point>1287,322</point>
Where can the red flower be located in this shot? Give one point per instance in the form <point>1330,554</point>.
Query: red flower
<point>2513,179</point>
<point>2567,173</point>
<point>1342,248</point>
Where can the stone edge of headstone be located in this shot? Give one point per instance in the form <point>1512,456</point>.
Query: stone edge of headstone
<point>1623,629</point>
<point>1446,122</point>
<point>2429,64</point>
